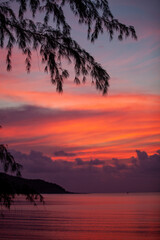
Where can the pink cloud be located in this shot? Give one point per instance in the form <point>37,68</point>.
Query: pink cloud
<point>113,124</point>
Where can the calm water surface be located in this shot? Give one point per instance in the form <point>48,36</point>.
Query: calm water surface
<point>85,216</point>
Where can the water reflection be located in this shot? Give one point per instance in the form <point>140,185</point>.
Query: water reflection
<point>89,216</point>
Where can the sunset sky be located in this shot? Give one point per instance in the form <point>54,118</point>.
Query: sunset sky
<point>81,130</point>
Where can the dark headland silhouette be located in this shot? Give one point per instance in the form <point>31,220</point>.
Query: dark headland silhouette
<point>12,185</point>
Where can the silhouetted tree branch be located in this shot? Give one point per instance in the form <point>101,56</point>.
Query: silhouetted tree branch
<point>52,36</point>
<point>7,191</point>
<point>8,161</point>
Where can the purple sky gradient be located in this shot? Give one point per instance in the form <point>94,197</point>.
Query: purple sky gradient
<point>72,138</point>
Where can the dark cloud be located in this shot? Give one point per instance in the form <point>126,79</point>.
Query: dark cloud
<point>96,162</point>
<point>119,166</point>
<point>64,154</point>
<point>79,161</point>
<point>142,174</point>
<point>93,162</point>
<point>158,151</point>
<point>149,164</point>
<point>29,114</point>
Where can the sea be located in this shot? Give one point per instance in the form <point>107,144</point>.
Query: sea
<point>123,216</point>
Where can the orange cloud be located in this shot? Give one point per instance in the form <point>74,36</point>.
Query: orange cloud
<point>89,126</point>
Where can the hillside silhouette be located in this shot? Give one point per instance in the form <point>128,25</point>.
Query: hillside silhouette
<point>17,185</point>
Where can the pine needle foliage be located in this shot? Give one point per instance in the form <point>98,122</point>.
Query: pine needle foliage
<point>7,192</point>
<point>51,36</point>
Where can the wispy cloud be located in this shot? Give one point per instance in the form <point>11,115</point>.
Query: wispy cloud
<point>113,124</point>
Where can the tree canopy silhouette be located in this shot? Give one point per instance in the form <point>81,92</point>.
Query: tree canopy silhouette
<point>52,36</point>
